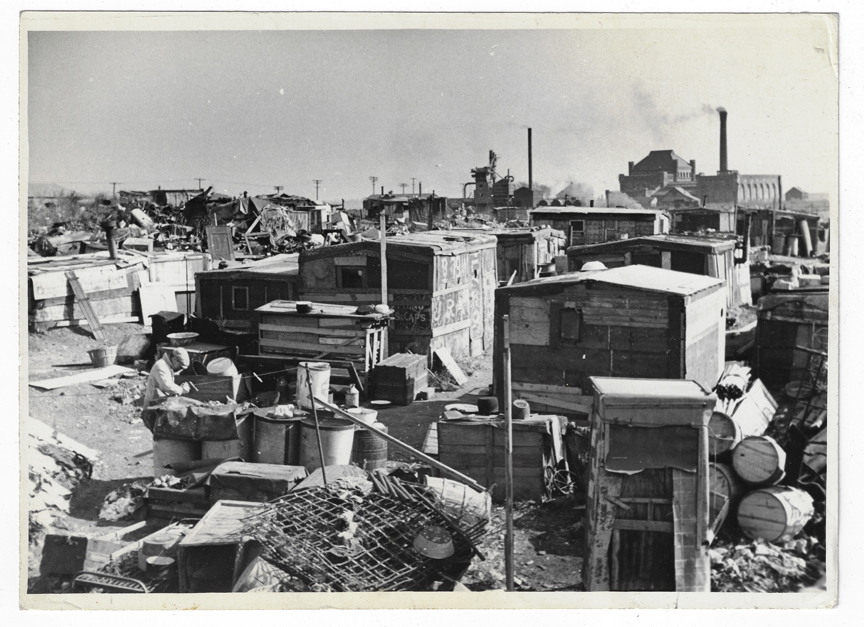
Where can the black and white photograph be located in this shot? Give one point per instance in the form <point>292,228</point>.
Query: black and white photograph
<point>533,305</point>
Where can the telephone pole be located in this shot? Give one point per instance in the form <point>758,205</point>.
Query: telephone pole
<point>413,178</point>
<point>114,190</point>
<point>403,186</point>
<point>317,183</point>
<point>374,180</point>
<point>278,188</point>
<point>199,181</point>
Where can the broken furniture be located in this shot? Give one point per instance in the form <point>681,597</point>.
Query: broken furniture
<point>475,446</point>
<point>648,486</point>
<point>337,331</point>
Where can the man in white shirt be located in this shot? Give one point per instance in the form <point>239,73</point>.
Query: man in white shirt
<point>161,380</point>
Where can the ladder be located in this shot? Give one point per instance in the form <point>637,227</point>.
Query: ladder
<point>84,302</point>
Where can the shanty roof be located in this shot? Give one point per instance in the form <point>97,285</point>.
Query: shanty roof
<point>532,233</point>
<point>659,160</point>
<point>638,277</point>
<point>665,241</point>
<point>665,191</point>
<point>277,264</point>
<point>594,211</point>
<point>435,242</point>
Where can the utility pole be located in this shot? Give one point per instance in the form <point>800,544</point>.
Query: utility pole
<point>114,190</point>
<point>317,183</point>
<point>403,186</point>
<point>374,180</point>
<point>413,178</point>
<point>278,188</point>
<point>199,181</point>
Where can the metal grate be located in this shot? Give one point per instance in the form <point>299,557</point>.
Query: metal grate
<point>300,533</point>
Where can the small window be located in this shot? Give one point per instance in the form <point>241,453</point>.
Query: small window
<point>570,325</point>
<point>240,298</point>
<point>351,277</point>
<point>578,226</point>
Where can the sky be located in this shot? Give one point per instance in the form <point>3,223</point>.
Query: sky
<point>248,110</point>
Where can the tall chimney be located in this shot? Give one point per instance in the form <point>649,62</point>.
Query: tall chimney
<point>692,169</point>
<point>530,165</point>
<point>629,167</point>
<point>420,192</point>
<point>723,158</point>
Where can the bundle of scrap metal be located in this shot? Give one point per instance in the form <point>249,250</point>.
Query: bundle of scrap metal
<point>733,382</point>
<point>348,537</point>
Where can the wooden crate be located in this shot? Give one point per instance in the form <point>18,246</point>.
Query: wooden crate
<point>477,449</point>
<point>170,504</point>
<point>399,378</point>
<point>253,482</point>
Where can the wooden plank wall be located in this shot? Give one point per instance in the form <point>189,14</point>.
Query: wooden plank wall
<point>705,337</point>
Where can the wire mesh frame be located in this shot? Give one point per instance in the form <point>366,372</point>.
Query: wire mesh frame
<point>299,533</point>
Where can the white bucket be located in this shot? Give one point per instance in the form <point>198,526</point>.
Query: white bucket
<point>172,451</point>
<point>369,416</point>
<point>319,374</point>
<point>222,366</point>
<point>337,441</point>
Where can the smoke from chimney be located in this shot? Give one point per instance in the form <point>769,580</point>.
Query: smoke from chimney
<point>723,155</point>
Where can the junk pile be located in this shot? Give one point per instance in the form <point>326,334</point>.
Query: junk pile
<point>767,482</point>
<point>364,536</point>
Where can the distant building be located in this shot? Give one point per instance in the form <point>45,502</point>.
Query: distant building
<point>799,201</point>
<point>673,197</point>
<point>173,197</point>
<point>592,225</point>
<point>408,207</point>
<point>526,198</point>
<point>659,169</point>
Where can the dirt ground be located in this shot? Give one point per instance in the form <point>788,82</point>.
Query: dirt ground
<point>547,537</point>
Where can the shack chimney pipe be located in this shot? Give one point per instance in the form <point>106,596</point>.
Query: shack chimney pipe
<point>420,188</point>
<point>724,165</point>
<point>530,163</point>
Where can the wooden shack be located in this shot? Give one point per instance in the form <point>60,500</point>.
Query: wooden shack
<point>592,225</point>
<point>786,324</point>
<point>635,321</point>
<point>708,256</point>
<point>523,251</point>
<point>648,486</point>
<point>231,295</point>
<point>441,287</point>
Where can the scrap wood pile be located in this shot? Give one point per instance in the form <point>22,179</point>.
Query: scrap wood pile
<point>358,535</point>
<point>772,494</point>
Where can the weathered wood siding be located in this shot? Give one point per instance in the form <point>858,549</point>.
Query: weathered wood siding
<point>705,337</point>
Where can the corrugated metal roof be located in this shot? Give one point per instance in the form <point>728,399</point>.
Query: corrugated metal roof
<point>638,277</point>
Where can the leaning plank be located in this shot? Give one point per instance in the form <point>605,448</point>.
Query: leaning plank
<point>81,296</point>
<point>450,364</point>
<point>81,377</point>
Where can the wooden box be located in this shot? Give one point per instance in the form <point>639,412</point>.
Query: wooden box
<point>170,504</point>
<point>477,450</point>
<point>253,482</point>
<point>399,378</point>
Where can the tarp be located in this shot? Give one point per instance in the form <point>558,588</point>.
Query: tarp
<point>179,418</point>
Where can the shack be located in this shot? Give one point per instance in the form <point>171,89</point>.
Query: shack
<point>422,208</point>
<point>788,328</point>
<point>524,251</point>
<point>231,295</point>
<point>441,287</point>
<point>591,225</point>
<point>708,256</point>
<point>701,219</point>
<point>636,321</point>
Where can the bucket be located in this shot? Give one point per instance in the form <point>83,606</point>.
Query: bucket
<point>466,505</point>
<point>337,440</point>
<point>221,449</point>
<point>162,544</point>
<point>521,410</point>
<point>487,405</point>
<point>172,451</point>
<point>105,356</point>
<point>276,441</point>
<point>369,451</point>
<point>222,366</point>
<point>319,374</point>
<point>369,416</point>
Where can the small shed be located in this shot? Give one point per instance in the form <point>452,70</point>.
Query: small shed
<point>636,321</point>
<point>786,324</point>
<point>648,486</point>
<point>231,295</point>
<point>708,256</point>
<point>591,225</point>
<point>523,251</point>
<point>695,219</point>
<point>441,287</point>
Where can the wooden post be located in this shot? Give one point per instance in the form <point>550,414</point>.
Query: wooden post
<point>382,226</point>
<point>317,427</point>
<point>508,457</point>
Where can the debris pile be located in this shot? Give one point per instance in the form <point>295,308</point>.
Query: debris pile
<point>763,567</point>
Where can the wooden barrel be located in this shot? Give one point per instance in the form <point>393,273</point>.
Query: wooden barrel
<point>723,433</point>
<point>723,487</point>
<point>370,452</point>
<point>759,460</point>
<point>775,514</point>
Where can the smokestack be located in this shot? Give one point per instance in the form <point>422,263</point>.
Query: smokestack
<point>692,169</point>
<point>530,165</point>
<point>629,168</point>
<point>420,193</point>
<point>723,158</point>
<point>382,190</point>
